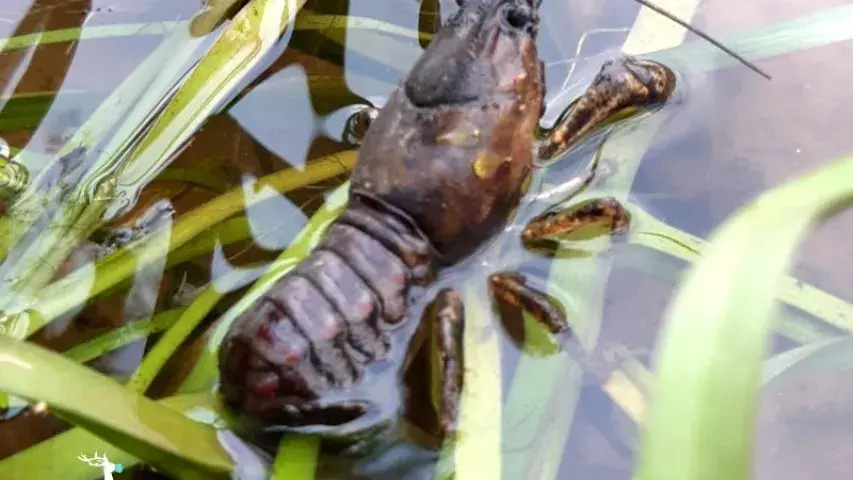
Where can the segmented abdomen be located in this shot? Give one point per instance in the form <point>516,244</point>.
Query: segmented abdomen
<point>321,324</point>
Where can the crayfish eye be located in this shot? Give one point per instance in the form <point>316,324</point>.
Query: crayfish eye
<point>516,18</point>
<point>358,123</point>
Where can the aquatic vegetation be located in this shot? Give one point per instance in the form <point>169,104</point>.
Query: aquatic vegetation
<point>189,78</point>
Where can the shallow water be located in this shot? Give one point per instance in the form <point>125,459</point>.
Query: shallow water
<point>730,135</point>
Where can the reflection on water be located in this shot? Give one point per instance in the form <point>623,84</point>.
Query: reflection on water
<point>714,152</point>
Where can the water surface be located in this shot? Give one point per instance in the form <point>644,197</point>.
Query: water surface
<point>730,135</point>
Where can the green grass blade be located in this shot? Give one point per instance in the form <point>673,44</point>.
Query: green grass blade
<point>335,27</point>
<point>197,177</point>
<point>476,452</point>
<point>796,324</point>
<point>121,336</point>
<point>254,31</point>
<point>56,457</point>
<point>223,234</point>
<point>26,111</point>
<point>119,104</point>
<point>373,41</point>
<point>159,435</point>
<point>535,431</point>
<point>296,458</point>
<point>650,232</point>
<point>88,33</point>
<point>173,338</point>
<point>190,318</point>
<point>703,402</point>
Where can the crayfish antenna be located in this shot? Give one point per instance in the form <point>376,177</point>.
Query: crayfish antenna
<point>647,3</point>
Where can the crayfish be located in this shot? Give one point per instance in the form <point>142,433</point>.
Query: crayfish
<point>440,171</point>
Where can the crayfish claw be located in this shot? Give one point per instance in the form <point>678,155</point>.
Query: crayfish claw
<point>622,88</point>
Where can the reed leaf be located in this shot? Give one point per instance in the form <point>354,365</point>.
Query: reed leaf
<point>704,399</point>
<point>133,101</point>
<point>57,456</point>
<point>88,33</point>
<point>254,31</point>
<point>121,336</point>
<point>159,435</point>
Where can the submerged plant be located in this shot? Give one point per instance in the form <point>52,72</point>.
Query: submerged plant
<point>703,401</point>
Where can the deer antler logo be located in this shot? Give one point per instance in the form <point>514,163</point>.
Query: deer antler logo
<point>102,462</point>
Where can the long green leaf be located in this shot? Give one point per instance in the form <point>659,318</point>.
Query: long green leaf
<point>121,336</point>
<point>56,457</point>
<point>159,435</point>
<point>89,33</point>
<point>480,409</point>
<point>175,336</point>
<point>703,403</point>
<point>162,63</point>
<point>254,32</point>
<point>103,191</point>
<point>832,311</point>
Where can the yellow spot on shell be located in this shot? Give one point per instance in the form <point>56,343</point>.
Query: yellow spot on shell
<point>487,163</point>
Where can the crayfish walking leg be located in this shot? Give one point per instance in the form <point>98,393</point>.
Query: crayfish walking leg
<point>449,317</point>
<point>512,289</point>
